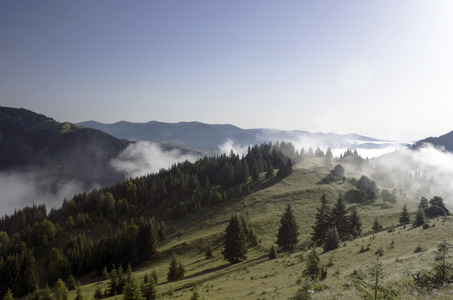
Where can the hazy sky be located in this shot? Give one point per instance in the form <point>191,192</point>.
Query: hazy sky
<point>377,68</point>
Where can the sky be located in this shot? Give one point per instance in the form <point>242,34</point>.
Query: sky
<point>378,68</point>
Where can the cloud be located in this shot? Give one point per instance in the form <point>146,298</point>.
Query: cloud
<point>20,189</point>
<point>229,146</point>
<point>144,157</point>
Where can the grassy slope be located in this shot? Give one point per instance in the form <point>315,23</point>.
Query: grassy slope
<point>259,278</point>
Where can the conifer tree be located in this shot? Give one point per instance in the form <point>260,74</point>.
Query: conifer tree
<point>235,250</point>
<point>420,218</point>
<point>149,290</point>
<point>332,240</point>
<point>132,290</point>
<point>60,290</point>
<point>175,270</point>
<point>376,225</point>
<point>8,295</point>
<point>269,169</point>
<point>288,230</point>
<point>339,219</point>
<point>405,216</point>
<point>313,266</point>
<point>272,253</point>
<point>322,222</point>
<point>355,223</point>
<point>255,171</point>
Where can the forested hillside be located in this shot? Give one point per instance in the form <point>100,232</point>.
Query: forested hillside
<point>137,208</point>
<point>58,152</point>
<point>142,220</point>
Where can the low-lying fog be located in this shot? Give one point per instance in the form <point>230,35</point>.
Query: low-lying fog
<point>20,189</point>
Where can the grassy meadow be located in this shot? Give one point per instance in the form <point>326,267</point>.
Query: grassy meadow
<point>404,249</point>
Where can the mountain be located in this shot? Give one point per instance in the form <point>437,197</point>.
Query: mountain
<point>444,141</point>
<point>61,151</point>
<point>211,136</point>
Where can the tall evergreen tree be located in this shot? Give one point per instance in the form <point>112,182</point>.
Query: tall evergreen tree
<point>235,250</point>
<point>332,240</point>
<point>288,230</point>
<point>355,223</point>
<point>132,290</point>
<point>322,222</point>
<point>405,216</point>
<point>339,219</point>
<point>420,218</point>
<point>175,270</point>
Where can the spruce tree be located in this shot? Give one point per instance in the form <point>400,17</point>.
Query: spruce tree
<point>420,218</point>
<point>355,224</point>
<point>288,231</point>
<point>322,222</point>
<point>405,216</point>
<point>272,253</point>
<point>149,290</point>
<point>132,290</point>
<point>376,225</point>
<point>235,250</point>
<point>332,240</point>
<point>8,295</point>
<point>339,219</point>
<point>313,266</point>
<point>60,290</point>
<point>175,270</point>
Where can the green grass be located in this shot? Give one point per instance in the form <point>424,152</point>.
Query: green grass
<point>260,278</point>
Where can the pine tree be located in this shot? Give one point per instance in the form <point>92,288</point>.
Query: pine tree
<point>332,240</point>
<point>339,219</point>
<point>288,231</point>
<point>8,295</point>
<point>376,225</point>
<point>235,250</point>
<point>132,290</point>
<point>60,290</point>
<point>420,218</point>
<point>255,171</point>
<point>269,169</point>
<point>354,222</point>
<point>405,216</point>
<point>322,222</point>
<point>149,289</point>
<point>313,266</point>
<point>443,267</point>
<point>272,253</point>
<point>175,270</point>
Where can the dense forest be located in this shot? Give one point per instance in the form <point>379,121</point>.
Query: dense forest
<point>138,208</point>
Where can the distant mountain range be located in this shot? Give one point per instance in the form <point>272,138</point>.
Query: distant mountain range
<point>444,142</point>
<point>58,152</point>
<point>196,135</point>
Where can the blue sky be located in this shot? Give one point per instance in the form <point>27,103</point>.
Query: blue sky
<point>377,68</point>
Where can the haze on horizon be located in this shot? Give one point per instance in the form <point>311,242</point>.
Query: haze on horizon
<point>376,68</point>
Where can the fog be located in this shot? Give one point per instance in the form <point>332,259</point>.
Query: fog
<point>20,189</point>
<point>434,168</point>
<point>144,157</point>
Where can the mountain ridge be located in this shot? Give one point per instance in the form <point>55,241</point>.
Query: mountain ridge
<point>196,134</point>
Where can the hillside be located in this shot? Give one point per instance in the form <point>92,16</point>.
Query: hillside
<point>62,151</point>
<point>443,142</point>
<point>211,137</point>
<point>107,228</point>
<point>261,278</point>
